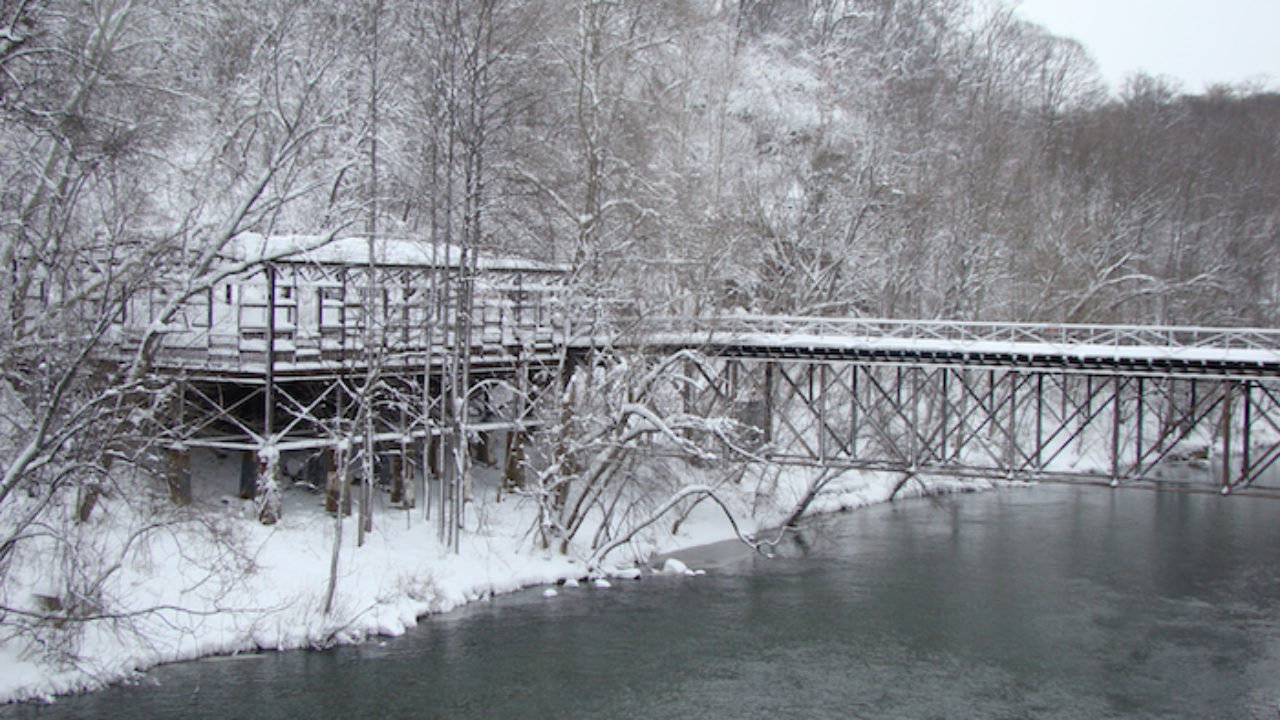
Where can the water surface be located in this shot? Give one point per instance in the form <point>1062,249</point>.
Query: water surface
<point>1054,602</point>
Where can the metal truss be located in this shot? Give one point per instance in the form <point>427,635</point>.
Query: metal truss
<point>416,362</point>
<point>1016,423</point>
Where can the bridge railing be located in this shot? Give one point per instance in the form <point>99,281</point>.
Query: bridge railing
<point>1170,337</point>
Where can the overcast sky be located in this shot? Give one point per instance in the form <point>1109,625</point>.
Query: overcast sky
<point>1197,42</point>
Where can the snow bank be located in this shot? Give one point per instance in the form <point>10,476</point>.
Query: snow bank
<point>218,582</point>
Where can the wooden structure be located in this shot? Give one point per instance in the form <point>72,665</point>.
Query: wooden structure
<point>396,348</point>
<point>305,305</point>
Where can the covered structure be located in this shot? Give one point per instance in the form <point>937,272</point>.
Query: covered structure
<point>326,348</point>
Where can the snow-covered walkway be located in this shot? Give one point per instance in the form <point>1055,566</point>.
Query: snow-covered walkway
<point>1181,350</point>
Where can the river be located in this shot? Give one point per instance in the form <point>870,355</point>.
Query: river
<point>1052,602</point>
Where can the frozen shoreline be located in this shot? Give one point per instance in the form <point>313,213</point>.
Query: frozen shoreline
<point>399,577</point>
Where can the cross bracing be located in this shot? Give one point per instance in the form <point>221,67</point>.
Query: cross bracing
<point>388,357</point>
<point>1015,423</point>
<point>1016,401</point>
<point>435,354</point>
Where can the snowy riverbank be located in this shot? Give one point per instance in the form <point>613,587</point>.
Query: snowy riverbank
<point>217,582</point>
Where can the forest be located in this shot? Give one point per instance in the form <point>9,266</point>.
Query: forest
<point>880,158</point>
<point>919,159</point>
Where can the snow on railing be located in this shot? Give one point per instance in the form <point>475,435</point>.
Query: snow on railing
<point>1054,334</point>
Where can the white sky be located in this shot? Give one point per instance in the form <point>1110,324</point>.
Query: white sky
<point>1196,42</point>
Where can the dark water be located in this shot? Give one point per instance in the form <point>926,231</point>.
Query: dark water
<point>1056,602</point>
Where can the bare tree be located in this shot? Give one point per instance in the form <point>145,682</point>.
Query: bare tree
<point>598,462</point>
<point>122,193</point>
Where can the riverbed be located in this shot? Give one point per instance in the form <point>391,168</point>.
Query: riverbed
<point>1052,602</point>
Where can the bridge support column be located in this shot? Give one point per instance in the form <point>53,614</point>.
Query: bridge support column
<point>1039,467</point>
<point>768,401</point>
<point>335,482</point>
<point>854,402</point>
<point>1138,418</point>
<point>267,492</point>
<point>1245,431</point>
<point>248,474</point>
<point>914,430</point>
<point>1011,432</point>
<point>1115,430</point>
<point>178,474</point>
<point>1228,391</point>
<point>822,409</point>
<point>402,491</point>
<point>942,411</point>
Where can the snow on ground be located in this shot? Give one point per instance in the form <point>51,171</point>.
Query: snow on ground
<point>265,587</point>
<point>228,584</point>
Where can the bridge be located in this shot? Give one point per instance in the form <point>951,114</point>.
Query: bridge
<point>408,352</point>
<point>1021,401</point>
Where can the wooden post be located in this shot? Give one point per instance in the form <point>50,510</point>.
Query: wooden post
<point>397,476</point>
<point>179,470</point>
<point>513,465</point>
<point>426,475</point>
<point>435,460</point>
<point>408,499</point>
<point>333,482</point>
<point>267,495</point>
<point>248,474</point>
<point>366,504</point>
<point>178,476</point>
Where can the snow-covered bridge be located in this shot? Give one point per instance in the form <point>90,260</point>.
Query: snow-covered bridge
<point>439,344</point>
<point>1015,400</point>
<point>1128,349</point>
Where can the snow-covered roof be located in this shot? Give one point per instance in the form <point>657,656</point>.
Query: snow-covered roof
<point>387,252</point>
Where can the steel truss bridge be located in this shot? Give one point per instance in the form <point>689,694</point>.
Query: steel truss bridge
<point>1111,404</point>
